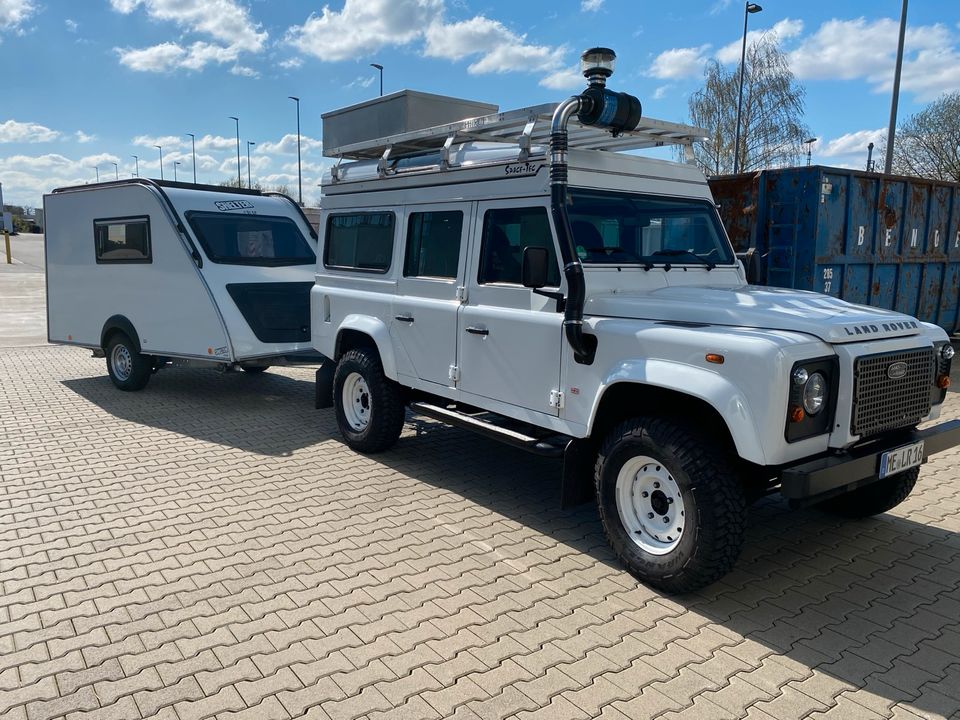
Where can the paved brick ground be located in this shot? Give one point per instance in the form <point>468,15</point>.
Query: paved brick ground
<point>209,548</point>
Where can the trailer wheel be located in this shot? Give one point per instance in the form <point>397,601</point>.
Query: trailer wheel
<point>671,505</point>
<point>369,406</point>
<point>874,499</point>
<point>128,369</point>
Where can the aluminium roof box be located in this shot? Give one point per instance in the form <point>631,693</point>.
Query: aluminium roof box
<point>392,114</point>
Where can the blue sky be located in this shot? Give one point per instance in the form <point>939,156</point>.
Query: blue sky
<point>90,83</point>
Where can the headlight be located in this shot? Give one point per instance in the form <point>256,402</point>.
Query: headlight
<point>947,352</point>
<point>814,393</point>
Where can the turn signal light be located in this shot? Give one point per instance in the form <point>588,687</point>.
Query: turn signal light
<point>943,382</point>
<point>715,358</point>
<point>797,414</point>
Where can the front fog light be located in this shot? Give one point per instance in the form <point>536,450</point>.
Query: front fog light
<point>814,393</point>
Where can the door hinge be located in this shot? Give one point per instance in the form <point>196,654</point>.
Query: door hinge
<point>454,374</point>
<point>556,399</point>
<point>461,293</point>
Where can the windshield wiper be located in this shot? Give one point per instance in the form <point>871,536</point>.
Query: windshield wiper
<point>686,253</point>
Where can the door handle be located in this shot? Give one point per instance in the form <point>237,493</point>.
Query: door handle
<point>478,331</point>
<point>404,318</point>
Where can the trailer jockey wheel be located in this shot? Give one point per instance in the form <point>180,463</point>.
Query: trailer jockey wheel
<point>128,369</point>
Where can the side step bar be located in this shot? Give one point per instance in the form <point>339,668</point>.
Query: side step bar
<point>538,446</point>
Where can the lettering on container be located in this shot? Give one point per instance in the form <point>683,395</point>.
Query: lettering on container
<point>860,235</point>
<point>827,279</point>
<point>956,243</point>
<point>886,242</point>
<point>913,238</point>
<point>936,238</point>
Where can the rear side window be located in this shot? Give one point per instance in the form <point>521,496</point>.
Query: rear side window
<point>433,244</point>
<point>262,240</point>
<point>506,232</point>
<point>359,241</point>
<point>122,240</point>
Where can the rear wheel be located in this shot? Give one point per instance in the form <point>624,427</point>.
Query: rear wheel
<point>876,498</point>
<point>369,406</point>
<point>128,369</point>
<point>671,505</point>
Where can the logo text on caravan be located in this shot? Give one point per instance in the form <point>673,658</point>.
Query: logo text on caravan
<point>233,204</point>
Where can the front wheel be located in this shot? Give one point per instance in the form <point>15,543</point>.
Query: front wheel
<point>369,406</point>
<point>671,505</point>
<point>876,498</point>
<point>128,369</point>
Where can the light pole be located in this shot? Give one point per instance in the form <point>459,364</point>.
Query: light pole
<point>870,157</point>
<point>137,161</point>
<point>249,182</point>
<point>160,148</point>
<point>380,68</point>
<point>97,171</point>
<point>892,130</point>
<point>809,143</point>
<point>175,163</point>
<point>299,167</point>
<point>237,120</point>
<point>193,145</point>
<point>748,9</point>
<point>116,170</point>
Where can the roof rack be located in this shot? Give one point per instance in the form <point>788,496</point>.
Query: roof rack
<point>526,127</point>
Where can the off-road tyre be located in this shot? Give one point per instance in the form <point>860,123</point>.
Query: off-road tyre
<point>128,369</point>
<point>712,497</point>
<point>874,499</point>
<point>255,369</point>
<point>385,409</point>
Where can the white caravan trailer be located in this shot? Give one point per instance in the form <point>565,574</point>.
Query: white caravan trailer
<point>149,273</point>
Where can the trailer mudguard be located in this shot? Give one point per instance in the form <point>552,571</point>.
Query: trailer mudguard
<point>119,322</point>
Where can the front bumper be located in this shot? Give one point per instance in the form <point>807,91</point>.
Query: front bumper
<point>814,480</point>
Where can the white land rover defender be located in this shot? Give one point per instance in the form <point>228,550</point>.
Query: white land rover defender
<point>512,274</point>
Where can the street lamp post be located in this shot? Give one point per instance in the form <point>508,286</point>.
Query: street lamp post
<point>892,130</point>
<point>160,148</point>
<point>809,143</point>
<point>237,120</point>
<point>97,171</point>
<point>136,159</point>
<point>748,9</point>
<point>193,145</point>
<point>380,68</point>
<point>249,181</point>
<point>299,167</point>
<point>116,170</point>
<point>870,157</point>
<point>175,164</point>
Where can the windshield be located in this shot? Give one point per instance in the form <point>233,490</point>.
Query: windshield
<point>614,228</point>
<point>251,239</point>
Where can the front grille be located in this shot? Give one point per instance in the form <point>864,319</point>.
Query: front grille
<point>881,404</point>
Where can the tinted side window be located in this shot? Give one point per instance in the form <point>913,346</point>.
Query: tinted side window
<point>359,241</point>
<point>506,232</point>
<point>433,244</point>
<point>251,239</point>
<point>122,240</point>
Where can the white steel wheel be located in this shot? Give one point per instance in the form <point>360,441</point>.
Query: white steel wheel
<point>650,505</point>
<point>356,402</point>
<point>122,362</point>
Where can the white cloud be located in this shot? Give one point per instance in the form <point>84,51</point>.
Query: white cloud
<point>82,137</point>
<point>564,79</point>
<point>590,5</point>
<point>291,63</point>
<point>784,30</point>
<point>26,132</point>
<point>501,49</point>
<point>226,21</point>
<point>719,6</point>
<point>679,63</point>
<point>170,142</point>
<point>287,145</point>
<point>363,26</point>
<point>866,50</point>
<point>215,142</point>
<point>852,143</point>
<point>363,81</point>
<point>244,71</point>
<point>661,92</point>
<point>14,13</point>
<point>72,25</point>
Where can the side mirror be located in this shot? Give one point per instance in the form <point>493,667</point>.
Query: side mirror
<point>534,268</point>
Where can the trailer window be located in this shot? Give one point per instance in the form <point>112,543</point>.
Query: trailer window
<point>433,244</point>
<point>359,241</point>
<point>261,240</point>
<point>122,240</point>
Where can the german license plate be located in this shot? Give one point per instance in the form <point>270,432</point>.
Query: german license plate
<point>900,459</point>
